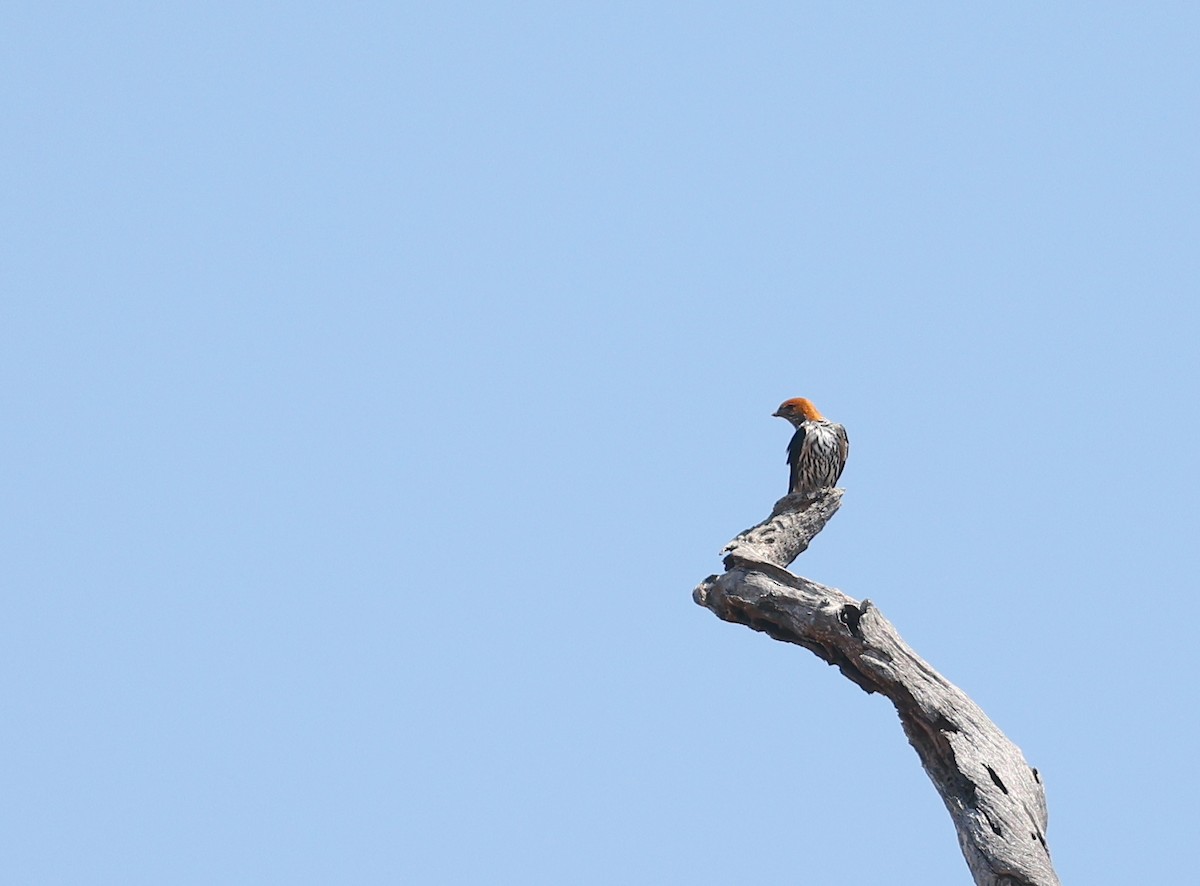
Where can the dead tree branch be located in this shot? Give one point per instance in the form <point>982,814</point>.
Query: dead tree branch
<point>996,800</point>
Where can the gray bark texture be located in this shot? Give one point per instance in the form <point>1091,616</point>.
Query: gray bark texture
<point>995,798</point>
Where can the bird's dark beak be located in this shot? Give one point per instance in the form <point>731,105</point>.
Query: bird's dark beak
<point>776,414</point>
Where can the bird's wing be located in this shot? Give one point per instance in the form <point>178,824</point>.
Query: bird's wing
<point>843,449</point>
<point>794,450</point>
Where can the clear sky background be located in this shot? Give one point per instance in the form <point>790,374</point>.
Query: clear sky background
<point>379,379</point>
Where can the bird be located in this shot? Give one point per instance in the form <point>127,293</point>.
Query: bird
<point>817,453</point>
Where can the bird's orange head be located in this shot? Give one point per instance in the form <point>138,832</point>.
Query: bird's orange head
<point>797,410</point>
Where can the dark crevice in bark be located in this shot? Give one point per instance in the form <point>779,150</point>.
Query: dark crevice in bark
<point>996,779</point>
<point>851,615</point>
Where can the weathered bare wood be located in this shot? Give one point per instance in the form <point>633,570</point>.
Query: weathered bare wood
<point>785,535</point>
<point>995,799</point>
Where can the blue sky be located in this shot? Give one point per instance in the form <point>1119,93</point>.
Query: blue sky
<point>380,380</point>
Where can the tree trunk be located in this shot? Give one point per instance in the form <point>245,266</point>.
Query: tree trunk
<point>996,800</point>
